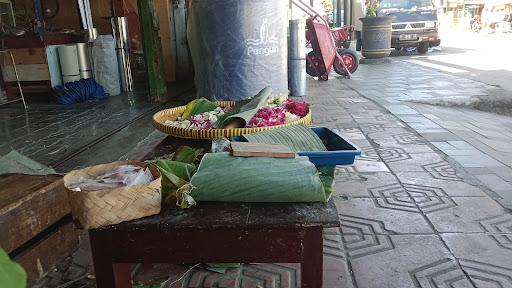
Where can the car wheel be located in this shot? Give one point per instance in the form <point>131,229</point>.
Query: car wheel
<point>423,47</point>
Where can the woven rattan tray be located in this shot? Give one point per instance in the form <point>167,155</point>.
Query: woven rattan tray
<point>160,117</point>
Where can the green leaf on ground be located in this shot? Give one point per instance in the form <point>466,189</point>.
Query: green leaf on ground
<point>12,275</point>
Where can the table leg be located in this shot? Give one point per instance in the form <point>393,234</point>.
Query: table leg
<point>122,275</point>
<point>103,266</point>
<point>312,259</point>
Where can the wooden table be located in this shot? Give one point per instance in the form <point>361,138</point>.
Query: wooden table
<point>216,232</point>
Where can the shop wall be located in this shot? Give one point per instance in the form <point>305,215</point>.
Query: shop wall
<point>68,18</point>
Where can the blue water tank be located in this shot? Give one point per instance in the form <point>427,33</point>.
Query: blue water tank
<point>238,47</point>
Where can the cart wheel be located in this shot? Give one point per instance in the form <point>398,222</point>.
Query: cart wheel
<point>314,64</point>
<point>349,58</point>
<point>324,77</point>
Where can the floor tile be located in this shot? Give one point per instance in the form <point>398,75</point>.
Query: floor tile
<point>448,186</point>
<point>369,166</point>
<point>415,163</point>
<point>487,262</point>
<point>381,216</point>
<point>494,182</point>
<point>407,261</point>
<point>467,214</point>
<point>358,184</point>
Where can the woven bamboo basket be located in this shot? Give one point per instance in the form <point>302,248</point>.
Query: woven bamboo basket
<point>160,117</point>
<point>94,209</point>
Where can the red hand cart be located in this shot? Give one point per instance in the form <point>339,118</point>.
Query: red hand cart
<point>327,44</point>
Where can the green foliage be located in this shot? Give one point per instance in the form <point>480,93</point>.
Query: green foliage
<point>186,154</point>
<point>198,106</point>
<point>372,6</point>
<point>175,175</point>
<point>246,109</point>
<point>12,275</point>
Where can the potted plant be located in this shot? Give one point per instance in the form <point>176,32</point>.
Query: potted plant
<point>376,32</point>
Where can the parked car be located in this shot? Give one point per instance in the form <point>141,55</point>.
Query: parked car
<point>415,23</point>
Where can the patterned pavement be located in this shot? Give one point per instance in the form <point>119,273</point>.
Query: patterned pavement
<point>435,105</point>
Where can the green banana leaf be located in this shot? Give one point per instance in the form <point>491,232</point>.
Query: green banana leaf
<point>198,106</point>
<point>175,175</point>
<point>222,177</point>
<point>12,275</point>
<point>186,154</point>
<point>298,138</point>
<point>246,110</point>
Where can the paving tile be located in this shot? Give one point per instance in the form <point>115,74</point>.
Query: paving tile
<point>351,133</point>
<point>336,270</point>
<point>503,172</point>
<point>369,166</point>
<point>380,216</point>
<point>399,261</point>
<point>450,149</point>
<point>394,142</point>
<point>475,162</point>
<point>494,182</point>
<point>400,109</point>
<point>248,275</point>
<point>379,127</point>
<point>444,136</point>
<point>358,184</point>
<point>386,132</point>
<point>466,214</point>
<point>415,163</point>
<point>422,131</point>
<point>483,258</point>
<point>445,183</point>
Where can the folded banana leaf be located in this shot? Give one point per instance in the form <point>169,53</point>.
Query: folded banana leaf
<point>175,175</point>
<point>243,112</point>
<point>222,177</point>
<point>298,138</point>
<point>198,106</point>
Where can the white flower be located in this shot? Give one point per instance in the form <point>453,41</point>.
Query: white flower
<point>290,117</point>
<point>276,100</point>
<point>184,124</point>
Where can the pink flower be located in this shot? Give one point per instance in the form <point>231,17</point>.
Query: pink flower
<point>268,116</point>
<point>299,108</point>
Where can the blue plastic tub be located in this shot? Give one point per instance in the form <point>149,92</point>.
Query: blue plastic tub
<point>340,150</point>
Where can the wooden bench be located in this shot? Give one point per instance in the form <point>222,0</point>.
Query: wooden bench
<point>35,222</point>
<point>215,232</point>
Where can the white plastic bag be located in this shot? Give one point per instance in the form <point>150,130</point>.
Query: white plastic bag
<point>106,71</point>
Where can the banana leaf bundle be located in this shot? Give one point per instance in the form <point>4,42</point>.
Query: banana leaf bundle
<point>298,138</point>
<point>222,177</point>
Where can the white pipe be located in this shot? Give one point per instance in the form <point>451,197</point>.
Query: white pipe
<point>88,10</point>
<point>82,14</point>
